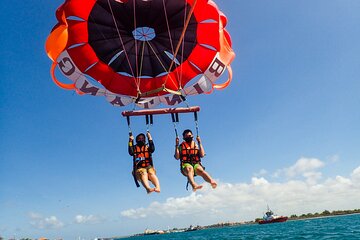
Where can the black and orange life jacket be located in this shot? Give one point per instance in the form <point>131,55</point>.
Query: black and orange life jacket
<point>142,156</point>
<point>189,153</point>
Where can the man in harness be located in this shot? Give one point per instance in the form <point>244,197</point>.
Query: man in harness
<point>143,168</point>
<point>190,155</point>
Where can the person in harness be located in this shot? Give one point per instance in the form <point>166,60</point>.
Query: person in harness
<point>143,168</point>
<point>190,155</point>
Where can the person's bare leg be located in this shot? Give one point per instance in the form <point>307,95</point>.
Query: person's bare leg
<point>189,171</point>
<point>145,182</point>
<point>201,172</point>
<point>153,178</point>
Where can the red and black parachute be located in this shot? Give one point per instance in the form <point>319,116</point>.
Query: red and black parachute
<point>140,51</point>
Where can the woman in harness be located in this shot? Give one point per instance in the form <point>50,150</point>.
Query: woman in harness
<point>190,155</point>
<point>143,164</point>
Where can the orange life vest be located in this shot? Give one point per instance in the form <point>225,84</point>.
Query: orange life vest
<point>189,153</point>
<point>142,156</point>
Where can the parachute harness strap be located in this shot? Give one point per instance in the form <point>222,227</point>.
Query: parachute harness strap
<point>147,118</point>
<point>175,119</point>
<point>128,122</point>
<point>173,111</point>
<point>196,123</point>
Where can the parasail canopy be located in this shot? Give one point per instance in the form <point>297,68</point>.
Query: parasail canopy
<point>140,51</point>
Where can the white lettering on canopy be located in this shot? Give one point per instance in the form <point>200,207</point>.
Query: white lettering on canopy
<point>203,85</point>
<point>70,70</point>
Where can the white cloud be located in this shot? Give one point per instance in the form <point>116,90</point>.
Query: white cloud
<point>303,167</point>
<point>172,207</point>
<point>312,177</point>
<point>355,176</point>
<point>247,201</point>
<point>262,172</point>
<point>38,221</point>
<point>334,158</point>
<point>89,219</point>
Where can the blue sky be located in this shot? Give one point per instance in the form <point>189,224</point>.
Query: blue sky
<point>285,132</point>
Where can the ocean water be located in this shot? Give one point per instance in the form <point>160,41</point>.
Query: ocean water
<point>345,227</point>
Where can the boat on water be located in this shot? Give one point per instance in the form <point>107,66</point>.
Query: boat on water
<point>271,217</point>
<point>153,232</point>
<point>192,228</point>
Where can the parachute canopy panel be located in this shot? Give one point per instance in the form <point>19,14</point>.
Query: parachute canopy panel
<point>148,49</point>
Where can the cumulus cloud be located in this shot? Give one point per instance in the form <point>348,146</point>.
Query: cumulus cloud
<point>355,176</point>
<point>89,219</point>
<point>262,172</point>
<point>38,221</point>
<point>305,167</point>
<point>334,158</point>
<point>247,201</point>
<point>312,177</point>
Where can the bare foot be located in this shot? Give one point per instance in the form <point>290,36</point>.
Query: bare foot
<point>150,190</point>
<point>213,184</point>
<point>157,189</point>
<point>196,187</point>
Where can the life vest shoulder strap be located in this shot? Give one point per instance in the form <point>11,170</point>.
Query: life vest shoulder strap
<point>143,150</point>
<point>185,145</point>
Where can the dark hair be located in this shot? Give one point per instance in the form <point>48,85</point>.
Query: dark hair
<point>141,134</point>
<point>186,132</point>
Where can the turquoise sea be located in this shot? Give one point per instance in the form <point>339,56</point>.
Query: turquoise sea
<point>345,227</point>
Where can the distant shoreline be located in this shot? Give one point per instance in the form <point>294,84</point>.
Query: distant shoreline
<point>308,216</point>
<point>325,213</point>
<point>328,216</point>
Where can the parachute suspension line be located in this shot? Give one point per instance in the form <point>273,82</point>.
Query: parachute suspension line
<point>139,94</point>
<point>162,88</point>
<point>168,27</point>
<point>134,103</point>
<point>137,77</point>
<point>104,38</point>
<point>157,57</point>
<point>141,60</point>
<point>182,49</point>
<point>180,44</point>
<point>181,38</point>
<point>120,38</point>
<point>183,98</point>
<point>170,38</point>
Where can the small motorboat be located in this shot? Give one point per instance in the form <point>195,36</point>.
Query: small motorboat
<point>270,217</point>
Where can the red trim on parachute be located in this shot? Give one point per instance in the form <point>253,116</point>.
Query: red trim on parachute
<point>207,34</point>
<point>71,34</point>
